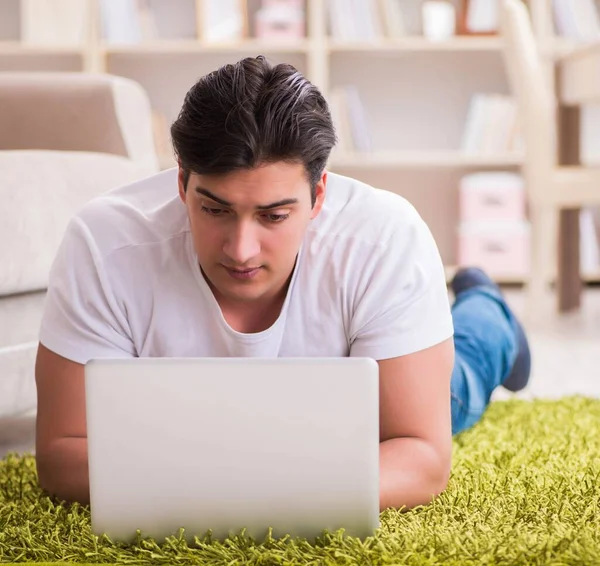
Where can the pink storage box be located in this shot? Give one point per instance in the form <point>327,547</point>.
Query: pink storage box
<point>280,23</point>
<point>500,248</point>
<point>492,196</point>
<point>296,4</point>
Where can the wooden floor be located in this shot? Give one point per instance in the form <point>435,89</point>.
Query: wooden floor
<point>565,357</point>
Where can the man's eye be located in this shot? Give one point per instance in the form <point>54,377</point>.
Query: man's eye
<point>276,217</point>
<point>213,211</point>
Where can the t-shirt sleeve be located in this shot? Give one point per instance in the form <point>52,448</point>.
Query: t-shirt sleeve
<point>402,302</point>
<point>82,317</point>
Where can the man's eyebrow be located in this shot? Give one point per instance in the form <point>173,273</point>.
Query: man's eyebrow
<point>283,202</point>
<point>208,194</point>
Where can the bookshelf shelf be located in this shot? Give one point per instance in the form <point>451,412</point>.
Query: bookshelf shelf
<point>422,159</point>
<point>407,160</point>
<point>417,43</point>
<point>562,46</point>
<point>20,48</point>
<point>557,47</point>
<point>175,47</point>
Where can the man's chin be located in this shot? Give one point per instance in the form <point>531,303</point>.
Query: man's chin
<point>239,290</point>
<point>254,289</point>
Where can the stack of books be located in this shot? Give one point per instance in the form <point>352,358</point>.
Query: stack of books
<point>63,23</point>
<point>492,126</point>
<point>350,120</point>
<point>577,19</point>
<point>371,20</point>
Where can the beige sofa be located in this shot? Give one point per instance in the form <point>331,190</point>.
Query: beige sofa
<point>64,138</point>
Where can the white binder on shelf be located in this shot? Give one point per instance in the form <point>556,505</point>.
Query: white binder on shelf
<point>62,23</point>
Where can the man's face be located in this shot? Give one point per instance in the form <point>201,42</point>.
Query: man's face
<point>248,226</point>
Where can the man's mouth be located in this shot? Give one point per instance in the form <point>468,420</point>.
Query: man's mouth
<point>246,273</point>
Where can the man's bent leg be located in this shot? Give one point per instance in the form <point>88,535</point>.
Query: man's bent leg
<point>488,341</point>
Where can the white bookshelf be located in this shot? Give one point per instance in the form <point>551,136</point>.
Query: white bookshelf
<point>416,92</point>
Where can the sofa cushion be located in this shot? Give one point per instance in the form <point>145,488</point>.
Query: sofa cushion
<point>20,316</point>
<point>40,191</point>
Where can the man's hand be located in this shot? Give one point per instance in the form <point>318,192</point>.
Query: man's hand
<point>61,435</point>
<point>415,426</point>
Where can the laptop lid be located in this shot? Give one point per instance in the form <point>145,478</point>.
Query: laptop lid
<point>229,444</point>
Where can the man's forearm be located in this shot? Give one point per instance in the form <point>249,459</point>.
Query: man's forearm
<point>63,469</point>
<point>411,473</point>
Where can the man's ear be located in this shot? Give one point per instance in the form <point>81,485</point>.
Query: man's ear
<point>320,191</point>
<point>180,183</point>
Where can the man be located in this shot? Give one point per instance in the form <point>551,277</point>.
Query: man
<point>250,248</point>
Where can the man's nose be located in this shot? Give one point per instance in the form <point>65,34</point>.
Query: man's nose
<point>242,244</point>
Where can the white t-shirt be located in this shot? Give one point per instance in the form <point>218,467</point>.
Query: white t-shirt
<point>126,282</point>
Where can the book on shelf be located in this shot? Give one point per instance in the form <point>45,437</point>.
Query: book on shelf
<point>589,234</point>
<point>147,20</point>
<point>479,17</point>
<point>396,22</point>
<point>590,217</point>
<point>372,20</point>
<point>577,19</point>
<point>127,21</point>
<point>492,125</point>
<point>350,120</point>
<point>55,22</point>
<point>369,20</point>
<point>171,21</point>
<point>223,20</point>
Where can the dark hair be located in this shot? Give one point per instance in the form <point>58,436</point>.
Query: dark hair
<point>249,113</point>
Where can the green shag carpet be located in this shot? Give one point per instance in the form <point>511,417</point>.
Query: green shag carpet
<point>525,489</point>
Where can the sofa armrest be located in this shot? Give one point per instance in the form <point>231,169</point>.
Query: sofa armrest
<point>134,115</point>
<point>86,112</point>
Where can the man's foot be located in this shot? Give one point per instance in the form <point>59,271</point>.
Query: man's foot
<point>518,377</point>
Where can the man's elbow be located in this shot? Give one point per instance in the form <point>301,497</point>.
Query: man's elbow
<point>62,470</point>
<point>442,477</point>
<point>48,474</point>
<point>413,472</point>
<point>440,472</point>
<point>435,484</point>
<point>437,471</point>
<point>51,478</point>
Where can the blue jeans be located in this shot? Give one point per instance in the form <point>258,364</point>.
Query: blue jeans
<point>485,346</point>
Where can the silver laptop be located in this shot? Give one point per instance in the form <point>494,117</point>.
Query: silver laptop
<point>221,445</point>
